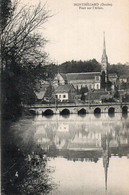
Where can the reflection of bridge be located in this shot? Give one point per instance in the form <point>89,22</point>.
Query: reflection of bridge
<point>72,108</point>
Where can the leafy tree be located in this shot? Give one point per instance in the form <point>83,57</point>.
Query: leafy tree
<point>119,69</point>
<point>109,84</point>
<point>83,97</point>
<point>103,84</point>
<point>117,95</point>
<point>123,85</point>
<point>125,98</point>
<point>84,89</point>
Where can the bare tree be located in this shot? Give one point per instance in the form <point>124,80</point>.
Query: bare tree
<point>22,52</point>
<point>19,40</point>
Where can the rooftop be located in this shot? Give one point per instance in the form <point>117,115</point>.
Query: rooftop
<point>124,76</point>
<point>63,88</point>
<point>40,94</point>
<point>96,95</point>
<point>112,75</point>
<point>82,76</point>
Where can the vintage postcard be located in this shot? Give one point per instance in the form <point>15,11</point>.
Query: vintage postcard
<point>64,97</point>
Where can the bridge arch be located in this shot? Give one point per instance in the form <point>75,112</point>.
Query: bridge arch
<point>48,112</point>
<point>125,109</point>
<point>97,110</point>
<point>32,112</point>
<point>65,112</point>
<point>111,110</point>
<point>82,111</point>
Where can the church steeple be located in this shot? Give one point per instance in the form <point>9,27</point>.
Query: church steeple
<point>104,60</point>
<point>104,45</point>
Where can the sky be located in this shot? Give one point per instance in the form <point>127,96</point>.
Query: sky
<point>76,33</point>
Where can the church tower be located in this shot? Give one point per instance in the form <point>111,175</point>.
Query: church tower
<point>104,62</point>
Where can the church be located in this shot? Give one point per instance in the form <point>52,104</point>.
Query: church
<point>66,86</point>
<point>91,80</point>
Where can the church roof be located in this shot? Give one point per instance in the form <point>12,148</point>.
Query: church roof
<point>82,76</point>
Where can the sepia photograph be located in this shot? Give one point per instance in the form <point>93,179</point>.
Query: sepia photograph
<point>64,85</point>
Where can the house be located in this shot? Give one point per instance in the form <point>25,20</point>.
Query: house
<point>95,96</point>
<point>91,80</point>
<point>60,79</point>
<point>113,78</point>
<point>124,78</point>
<point>65,93</point>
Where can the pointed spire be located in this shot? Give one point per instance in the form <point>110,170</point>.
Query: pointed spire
<point>104,55</point>
<point>104,44</point>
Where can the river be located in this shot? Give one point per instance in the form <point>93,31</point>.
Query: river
<point>73,155</point>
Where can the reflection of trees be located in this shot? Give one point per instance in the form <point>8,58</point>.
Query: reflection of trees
<point>72,155</point>
<point>23,171</point>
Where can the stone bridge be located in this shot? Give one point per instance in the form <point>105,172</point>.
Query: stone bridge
<point>72,108</point>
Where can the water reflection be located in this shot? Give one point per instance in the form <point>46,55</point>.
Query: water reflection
<point>97,115</point>
<point>111,114</point>
<point>86,139</point>
<point>81,133</point>
<point>88,154</point>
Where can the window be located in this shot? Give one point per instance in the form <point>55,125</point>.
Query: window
<point>56,96</point>
<point>59,96</point>
<point>97,86</point>
<point>97,78</point>
<point>64,96</point>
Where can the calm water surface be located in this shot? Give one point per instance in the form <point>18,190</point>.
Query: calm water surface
<point>88,154</point>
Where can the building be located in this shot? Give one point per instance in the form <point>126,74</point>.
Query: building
<point>60,79</point>
<point>65,85</point>
<point>41,90</point>
<point>113,78</point>
<point>65,93</point>
<point>95,96</point>
<point>124,78</point>
<point>91,80</point>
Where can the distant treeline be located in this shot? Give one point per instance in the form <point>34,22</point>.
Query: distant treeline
<point>80,66</point>
<point>84,66</point>
<point>120,69</point>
